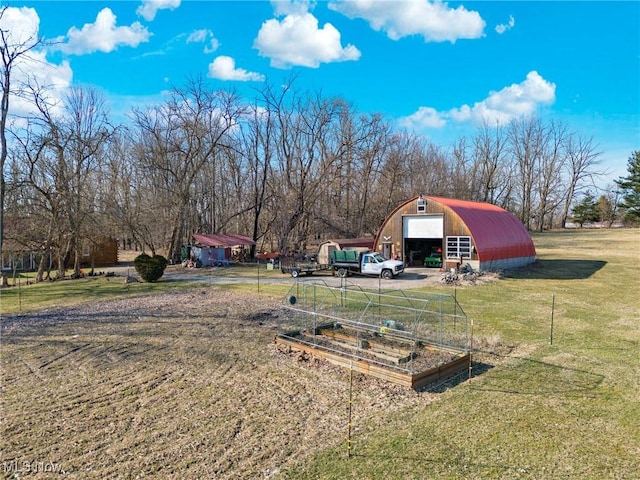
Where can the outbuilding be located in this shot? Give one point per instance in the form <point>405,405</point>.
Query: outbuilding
<point>483,235</point>
<point>208,250</point>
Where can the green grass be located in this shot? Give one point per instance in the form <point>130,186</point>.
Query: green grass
<point>27,297</point>
<point>570,409</point>
<point>24,295</point>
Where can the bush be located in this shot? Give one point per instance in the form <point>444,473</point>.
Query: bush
<point>149,268</point>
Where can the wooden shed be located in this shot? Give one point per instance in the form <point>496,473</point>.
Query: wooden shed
<point>483,235</point>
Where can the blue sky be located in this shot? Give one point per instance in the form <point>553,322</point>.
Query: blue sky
<point>436,68</point>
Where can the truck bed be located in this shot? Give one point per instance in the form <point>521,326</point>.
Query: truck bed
<point>346,257</point>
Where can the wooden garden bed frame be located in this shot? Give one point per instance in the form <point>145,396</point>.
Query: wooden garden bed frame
<point>387,355</point>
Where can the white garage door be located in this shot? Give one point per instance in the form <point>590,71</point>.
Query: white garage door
<point>423,227</point>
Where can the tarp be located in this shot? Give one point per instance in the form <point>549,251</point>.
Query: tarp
<point>221,240</point>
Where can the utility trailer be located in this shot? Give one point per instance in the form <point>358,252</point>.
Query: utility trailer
<point>308,268</point>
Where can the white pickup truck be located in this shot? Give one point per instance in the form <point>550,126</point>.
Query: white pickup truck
<point>346,262</point>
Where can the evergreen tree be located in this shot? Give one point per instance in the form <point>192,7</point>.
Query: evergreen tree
<point>606,210</point>
<point>586,211</point>
<point>630,186</point>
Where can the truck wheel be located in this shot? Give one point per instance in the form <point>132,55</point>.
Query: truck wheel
<point>295,273</point>
<point>386,274</point>
<point>343,272</point>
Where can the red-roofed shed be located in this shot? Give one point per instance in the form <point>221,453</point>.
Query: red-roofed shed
<point>481,234</point>
<point>208,249</point>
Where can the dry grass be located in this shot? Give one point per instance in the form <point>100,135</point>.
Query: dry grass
<point>185,384</point>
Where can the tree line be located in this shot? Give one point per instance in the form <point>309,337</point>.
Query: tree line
<point>288,168</point>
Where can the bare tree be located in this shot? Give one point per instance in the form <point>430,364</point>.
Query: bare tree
<point>13,47</point>
<point>63,148</point>
<point>491,168</point>
<point>258,148</point>
<point>462,177</point>
<point>550,184</point>
<point>356,150</point>
<point>302,163</point>
<point>582,160</point>
<point>177,143</point>
<point>526,138</point>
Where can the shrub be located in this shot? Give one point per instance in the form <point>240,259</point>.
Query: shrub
<point>149,268</point>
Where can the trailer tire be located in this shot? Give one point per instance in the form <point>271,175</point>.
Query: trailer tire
<point>295,273</point>
<point>386,274</point>
<point>343,272</point>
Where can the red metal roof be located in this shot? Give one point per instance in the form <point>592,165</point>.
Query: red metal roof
<point>221,240</point>
<point>497,234</point>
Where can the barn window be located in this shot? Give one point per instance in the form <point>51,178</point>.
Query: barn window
<point>422,204</point>
<point>458,247</point>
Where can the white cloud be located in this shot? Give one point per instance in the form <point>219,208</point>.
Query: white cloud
<point>501,28</point>
<point>224,68</point>
<point>434,21</point>
<point>204,36</point>
<point>290,7</point>
<point>21,27</point>
<point>512,102</point>
<point>103,35</point>
<point>425,117</point>
<point>297,41</point>
<point>149,8</point>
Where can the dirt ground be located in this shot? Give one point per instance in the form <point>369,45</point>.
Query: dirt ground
<point>190,385</point>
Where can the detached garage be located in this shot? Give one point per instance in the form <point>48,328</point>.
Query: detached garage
<point>483,235</point>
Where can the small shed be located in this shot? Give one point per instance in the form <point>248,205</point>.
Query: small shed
<point>360,244</point>
<point>97,252</point>
<point>209,250</point>
<point>481,234</point>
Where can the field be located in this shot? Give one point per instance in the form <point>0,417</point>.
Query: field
<point>182,379</point>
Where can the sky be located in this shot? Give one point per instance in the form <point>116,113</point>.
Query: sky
<point>438,69</point>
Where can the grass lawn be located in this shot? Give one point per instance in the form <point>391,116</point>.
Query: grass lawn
<point>570,409</point>
<point>194,389</point>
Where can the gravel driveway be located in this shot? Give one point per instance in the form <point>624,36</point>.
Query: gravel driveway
<point>411,278</point>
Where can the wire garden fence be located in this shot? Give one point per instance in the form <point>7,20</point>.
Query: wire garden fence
<point>408,337</point>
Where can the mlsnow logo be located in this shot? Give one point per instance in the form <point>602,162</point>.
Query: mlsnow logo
<point>30,466</point>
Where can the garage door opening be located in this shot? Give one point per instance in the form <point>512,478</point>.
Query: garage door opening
<point>422,252</point>
<point>422,239</point>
